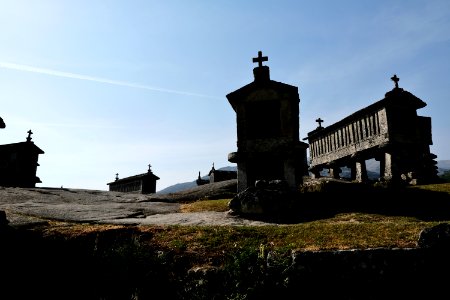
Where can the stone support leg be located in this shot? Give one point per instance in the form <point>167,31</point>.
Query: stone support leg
<point>242,177</point>
<point>386,166</point>
<point>335,171</point>
<point>315,173</point>
<point>361,172</point>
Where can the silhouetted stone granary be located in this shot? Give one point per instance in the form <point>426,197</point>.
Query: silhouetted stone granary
<point>18,163</point>
<point>388,130</point>
<point>142,183</point>
<point>221,175</point>
<point>200,180</point>
<point>216,176</point>
<point>268,146</point>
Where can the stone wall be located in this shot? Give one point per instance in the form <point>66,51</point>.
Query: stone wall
<point>119,264</point>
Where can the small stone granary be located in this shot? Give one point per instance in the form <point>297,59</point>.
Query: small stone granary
<point>268,146</point>
<point>142,183</point>
<point>388,130</point>
<point>19,162</point>
<point>216,176</point>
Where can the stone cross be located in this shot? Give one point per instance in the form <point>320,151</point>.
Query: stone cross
<point>260,59</point>
<point>29,135</point>
<point>396,80</point>
<point>117,176</point>
<point>320,121</point>
<point>149,167</point>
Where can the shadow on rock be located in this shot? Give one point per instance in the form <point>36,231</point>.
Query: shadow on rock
<point>274,201</point>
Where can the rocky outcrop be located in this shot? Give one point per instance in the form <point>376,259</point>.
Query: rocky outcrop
<point>271,200</point>
<point>275,201</point>
<point>326,197</point>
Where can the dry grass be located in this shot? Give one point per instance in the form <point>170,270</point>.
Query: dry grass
<point>206,205</point>
<point>342,231</point>
<point>354,230</point>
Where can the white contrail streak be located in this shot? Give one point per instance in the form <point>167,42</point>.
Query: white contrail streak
<point>31,69</point>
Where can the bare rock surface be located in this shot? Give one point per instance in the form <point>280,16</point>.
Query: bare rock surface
<point>32,206</point>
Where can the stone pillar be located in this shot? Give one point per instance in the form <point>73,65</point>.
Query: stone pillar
<point>335,171</point>
<point>392,167</point>
<point>352,171</point>
<point>242,176</point>
<point>382,161</point>
<point>361,172</point>
<point>386,166</point>
<point>315,173</point>
<point>290,174</point>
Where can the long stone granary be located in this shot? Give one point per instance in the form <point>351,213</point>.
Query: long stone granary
<point>388,130</point>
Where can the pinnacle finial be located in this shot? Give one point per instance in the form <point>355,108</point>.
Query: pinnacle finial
<point>29,135</point>
<point>260,59</point>
<point>396,80</point>
<point>320,121</point>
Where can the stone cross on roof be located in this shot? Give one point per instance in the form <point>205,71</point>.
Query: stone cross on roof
<point>117,176</point>
<point>320,121</point>
<point>29,135</point>
<point>260,59</point>
<point>396,80</point>
<point>149,168</point>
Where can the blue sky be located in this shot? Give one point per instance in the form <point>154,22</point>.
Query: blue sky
<point>111,86</point>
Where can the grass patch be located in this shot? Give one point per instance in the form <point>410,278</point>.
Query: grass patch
<point>344,231</point>
<point>439,187</point>
<point>220,205</point>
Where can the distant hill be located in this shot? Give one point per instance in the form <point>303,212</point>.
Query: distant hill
<point>373,171</point>
<point>178,187</point>
<point>443,166</point>
<point>372,166</point>
<point>190,184</point>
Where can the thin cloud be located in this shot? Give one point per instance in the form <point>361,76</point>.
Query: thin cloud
<point>22,122</point>
<point>31,69</point>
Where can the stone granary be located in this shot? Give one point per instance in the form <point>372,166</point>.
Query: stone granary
<point>216,176</point>
<point>18,164</point>
<point>388,130</point>
<point>268,146</point>
<point>142,183</point>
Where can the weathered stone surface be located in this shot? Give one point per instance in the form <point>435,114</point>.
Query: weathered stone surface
<point>273,200</point>
<point>27,207</point>
<point>325,184</point>
<point>79,205</point>
<point>267,116</point>
<point>436,237</point>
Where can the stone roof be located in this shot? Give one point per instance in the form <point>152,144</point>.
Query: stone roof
<point>396,97</point>
<point>135,177</point>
